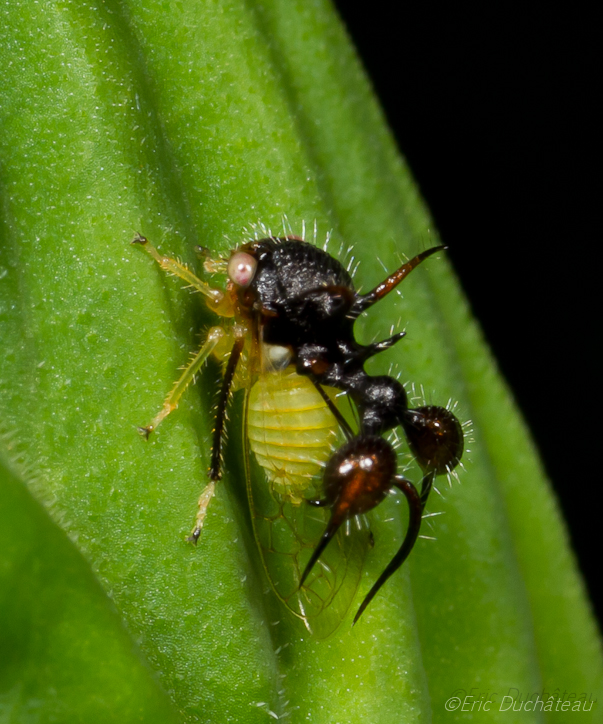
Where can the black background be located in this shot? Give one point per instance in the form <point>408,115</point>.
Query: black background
<point>496,115</point>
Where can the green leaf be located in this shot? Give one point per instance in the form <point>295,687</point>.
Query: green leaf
<point>66,655</point>
<point>188,121</point>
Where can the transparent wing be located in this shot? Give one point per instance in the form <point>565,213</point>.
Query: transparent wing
<point>290,435</point>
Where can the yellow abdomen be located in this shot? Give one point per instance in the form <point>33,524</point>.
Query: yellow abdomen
<point>291,431</point>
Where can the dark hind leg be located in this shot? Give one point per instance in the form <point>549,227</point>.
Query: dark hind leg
<point>215,468</point>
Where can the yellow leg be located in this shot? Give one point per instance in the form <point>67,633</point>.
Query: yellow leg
<point>204,501</point>
<point>215,299</point>
<point>218,340</point>
<point>214,337</point>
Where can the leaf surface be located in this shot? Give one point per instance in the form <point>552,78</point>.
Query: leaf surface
<point>188,121</point>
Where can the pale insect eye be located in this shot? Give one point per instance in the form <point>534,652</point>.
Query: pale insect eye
<point>241,268</point>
